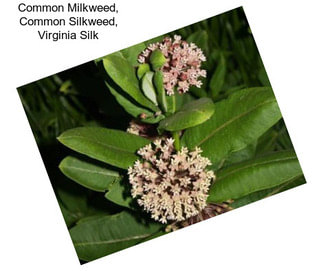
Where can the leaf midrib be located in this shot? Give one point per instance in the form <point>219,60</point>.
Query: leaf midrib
<point>232,120</point>
<point>255,164</point>
<point>175,116</point>
<point>112,241</point>
<point>100,143</point>
<point>282,186</point>
<point>92,171</point>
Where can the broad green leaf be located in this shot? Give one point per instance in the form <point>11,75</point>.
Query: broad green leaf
<point>142,69</point>
<point>119,194</point>
<point>101,236</point>
<point>92,176</point>
<point>236,123</point>
<point>123,74</point>
<point>110,146</point>
<point>129,106</point>
<point>191,114</point>
<point>217,79</point>
<point>254,175</point>
<point>131,53</point>
<point>157,59</point>
<point>148,87</point>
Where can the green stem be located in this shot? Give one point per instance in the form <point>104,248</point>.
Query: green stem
<point>174,104</point>
<point>177,142</point>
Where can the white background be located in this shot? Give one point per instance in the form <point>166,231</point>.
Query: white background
<point>283,232</point>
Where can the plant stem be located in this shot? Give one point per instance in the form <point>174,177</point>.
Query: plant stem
<point>174,104</point>
<point>177,142</point>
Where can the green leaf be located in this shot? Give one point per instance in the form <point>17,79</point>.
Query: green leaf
<point>152,120</point>
<point>157,59</point>
<point>267,192</point>
<point>119,194</point>
<point>245,154</point>
<point>88,218</point>
<point>91,176</point>
<point>129,106</point>
<point>217,79</point>
<point>110,146</point>
<point>101,236</point>
<point>254,175</point>
<point>123,74</point>
<point>142,69</point>
<point>148,87</point>
<point>191,114</point>
<point>236,123</point>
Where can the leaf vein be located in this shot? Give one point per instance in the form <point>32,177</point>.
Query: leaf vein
<point>100,143</point>
<point>112,241</point>
<point>93,171</point>
<point>256,164</point>
<point>211,134</point>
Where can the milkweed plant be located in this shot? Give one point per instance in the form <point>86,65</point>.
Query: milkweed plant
<point>189,151</point>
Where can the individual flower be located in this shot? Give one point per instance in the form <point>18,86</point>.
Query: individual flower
<point>171,185</point>
<point>182,68</point>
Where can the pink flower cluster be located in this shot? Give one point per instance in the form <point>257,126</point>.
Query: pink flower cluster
<point>171,185</point>
<point>183,63</point>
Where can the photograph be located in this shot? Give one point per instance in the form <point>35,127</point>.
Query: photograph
<point>161,135</point>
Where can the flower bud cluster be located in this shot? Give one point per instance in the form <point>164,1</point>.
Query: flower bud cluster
<point>182,68</point>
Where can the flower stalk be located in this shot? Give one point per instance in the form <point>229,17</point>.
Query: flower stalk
<point>177,142</point>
